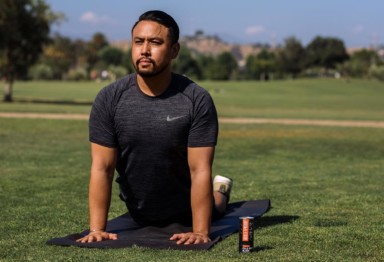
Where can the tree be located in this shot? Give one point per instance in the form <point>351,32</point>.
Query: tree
<point>260,66</point>
<point>377,72</point>
<point>185,64</point>
<point>326,52</point>
<point>224,67</point>
<point>111,55</point>
<point>98,42</point>
<point>80,53</point>
<point>127,61</point>
<point>205,64</point>
<point>291,57</point>
<point>59,56</point>
<point>24,29</point>
<point>199,33</point>
<point>360,63</point>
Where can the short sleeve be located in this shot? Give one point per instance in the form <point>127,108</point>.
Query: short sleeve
<point>205,127</point>
<point>101,120</point>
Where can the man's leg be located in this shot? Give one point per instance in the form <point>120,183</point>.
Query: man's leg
<point>221,193</point>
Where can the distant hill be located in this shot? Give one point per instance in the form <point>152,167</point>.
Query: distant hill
<point>121,44</point>
<point>213,45</point>
<point>207,45</point>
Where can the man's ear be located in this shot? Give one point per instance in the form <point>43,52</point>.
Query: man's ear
<point>175,50</point>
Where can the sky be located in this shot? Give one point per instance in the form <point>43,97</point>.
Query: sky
<point>358,23</point>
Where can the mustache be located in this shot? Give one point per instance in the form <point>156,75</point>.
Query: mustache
<point>145,58</point>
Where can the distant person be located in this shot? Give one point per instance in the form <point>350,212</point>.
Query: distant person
<point>158,130</point>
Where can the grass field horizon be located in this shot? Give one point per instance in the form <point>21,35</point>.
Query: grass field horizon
<point>325,183</point>
<point>302,98</point>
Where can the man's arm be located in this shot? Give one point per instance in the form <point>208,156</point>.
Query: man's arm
<point>200,164</point>
<point>100,187</point>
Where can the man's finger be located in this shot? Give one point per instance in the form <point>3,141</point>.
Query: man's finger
<point>112,236</point>
<point>92,239</point>
<point>182,240</point>
<point>97,237</point>
<point>190,238</point>
<point>176,236</point>
<point>197,241</point>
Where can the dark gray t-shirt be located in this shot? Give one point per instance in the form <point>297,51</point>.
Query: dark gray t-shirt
<point>152,135</point>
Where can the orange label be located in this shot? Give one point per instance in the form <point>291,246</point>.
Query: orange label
<point>245,235</point>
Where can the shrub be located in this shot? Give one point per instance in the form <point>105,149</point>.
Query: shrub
<point>40,72</point>
<point>77,74</point>
<point>377,72</point>
<point>116,72</point>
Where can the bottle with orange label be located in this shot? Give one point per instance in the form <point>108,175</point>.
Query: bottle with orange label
<point>246,234</point>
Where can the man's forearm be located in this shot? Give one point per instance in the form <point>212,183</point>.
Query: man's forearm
<point>100,188</point>
<point>99,198</point>
<point>201,202</point>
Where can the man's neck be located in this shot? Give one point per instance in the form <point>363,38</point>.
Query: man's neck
<point>156,85</point>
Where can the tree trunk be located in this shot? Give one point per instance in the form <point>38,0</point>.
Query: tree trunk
<point>8,91</point>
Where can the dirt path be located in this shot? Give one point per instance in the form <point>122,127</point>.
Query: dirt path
<point>311,122</point>
<point>45,116</point>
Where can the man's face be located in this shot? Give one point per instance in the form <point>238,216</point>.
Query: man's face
<point>152,51</point>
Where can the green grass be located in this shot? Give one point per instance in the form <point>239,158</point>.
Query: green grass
<point>319,99</point>
<point>313,99</point>
<point>325,183</point>
<point>52,97</point>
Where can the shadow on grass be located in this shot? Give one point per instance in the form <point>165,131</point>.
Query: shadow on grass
<point>268,221</point>
<point>271,221</point>
<point>260,248</point>
<point>52,101</point>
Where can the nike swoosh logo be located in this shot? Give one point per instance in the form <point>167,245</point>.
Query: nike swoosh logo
<point>169,119</point>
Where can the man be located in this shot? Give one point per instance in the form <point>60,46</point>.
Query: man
<point>158,130</point>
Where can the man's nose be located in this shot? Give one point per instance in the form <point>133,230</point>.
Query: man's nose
<point>145,50</point>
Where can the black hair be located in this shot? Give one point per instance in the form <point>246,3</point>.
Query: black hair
<point>163,19</point>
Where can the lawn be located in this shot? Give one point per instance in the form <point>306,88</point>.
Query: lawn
<point>325,183</point>
<point>304,99</point>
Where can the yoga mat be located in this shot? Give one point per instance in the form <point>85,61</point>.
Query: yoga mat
<point>130,233</point>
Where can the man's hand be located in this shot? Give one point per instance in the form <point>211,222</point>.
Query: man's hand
<point>97,236</point>
<point>190,238</point>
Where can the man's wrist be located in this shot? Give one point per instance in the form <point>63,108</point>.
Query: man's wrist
<point>92,230</point>
<point>201,233</point>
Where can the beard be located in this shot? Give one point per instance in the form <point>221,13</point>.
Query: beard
<point>150,72</point>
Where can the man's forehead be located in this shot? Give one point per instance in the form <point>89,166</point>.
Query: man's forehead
<point>149,28</point>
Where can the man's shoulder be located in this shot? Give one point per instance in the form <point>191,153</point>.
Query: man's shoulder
<point>188,87</point>
<point>112,93</point>
<point>120,85</point>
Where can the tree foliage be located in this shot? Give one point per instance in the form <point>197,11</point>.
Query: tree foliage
<point>126,61</point>
<point>377,72</point>
<point>98,42</point>
<point>24,28</point>
<point>111,55</point>
<point>261,66</point>
<point>291,57</point>
<point>40,72</point>
<point>360,64</point>
<point>224,67</point>
<point>205,62</point>
<point>326,52</point>
<point>25,43</point>
<point>185,64</point>
<point>59,55</point>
